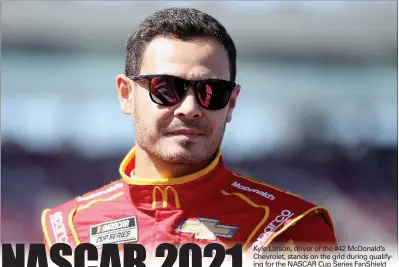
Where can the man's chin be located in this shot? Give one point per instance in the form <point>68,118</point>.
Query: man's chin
<point>187,154</point>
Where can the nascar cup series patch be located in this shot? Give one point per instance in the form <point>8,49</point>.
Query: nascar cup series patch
<point>114,232</point>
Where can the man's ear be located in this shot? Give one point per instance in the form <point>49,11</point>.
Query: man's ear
<point>125,93</point>
<point>232,102</point>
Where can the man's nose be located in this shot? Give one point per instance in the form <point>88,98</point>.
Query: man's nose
<point>189,107</point>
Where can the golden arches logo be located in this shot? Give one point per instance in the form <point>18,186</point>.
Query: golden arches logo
<point>164,194</point>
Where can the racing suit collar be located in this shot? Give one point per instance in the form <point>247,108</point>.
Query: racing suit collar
<point>128,165</point>
<point>178,193</point>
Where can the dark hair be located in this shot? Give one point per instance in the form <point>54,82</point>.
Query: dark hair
<point>180,23</point>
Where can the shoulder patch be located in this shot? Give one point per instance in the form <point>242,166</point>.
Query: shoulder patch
<point>105,190</point>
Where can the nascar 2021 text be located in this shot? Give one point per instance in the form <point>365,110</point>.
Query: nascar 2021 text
<point>133,255</point>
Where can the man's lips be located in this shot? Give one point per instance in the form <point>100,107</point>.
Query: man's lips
<point>187,132</point>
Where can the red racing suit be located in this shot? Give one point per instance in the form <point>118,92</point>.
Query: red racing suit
<point>212,205</point>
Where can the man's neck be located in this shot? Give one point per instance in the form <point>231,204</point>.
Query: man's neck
<point>149,167</point>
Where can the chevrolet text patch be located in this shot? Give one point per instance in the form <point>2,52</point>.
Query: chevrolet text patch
<point>114,232</point>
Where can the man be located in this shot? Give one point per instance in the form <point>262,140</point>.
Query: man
<point>179,88</point>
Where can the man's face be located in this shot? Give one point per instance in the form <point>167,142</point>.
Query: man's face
<point>159,129</point>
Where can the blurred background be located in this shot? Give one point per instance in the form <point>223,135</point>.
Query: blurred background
<point>317,114</point>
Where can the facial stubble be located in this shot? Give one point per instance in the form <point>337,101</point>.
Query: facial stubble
<point>153,143</point>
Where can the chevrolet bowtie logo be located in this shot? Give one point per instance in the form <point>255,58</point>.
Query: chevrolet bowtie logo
<point>208,229</point>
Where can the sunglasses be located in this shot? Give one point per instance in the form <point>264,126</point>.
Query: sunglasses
<point>168,90</point>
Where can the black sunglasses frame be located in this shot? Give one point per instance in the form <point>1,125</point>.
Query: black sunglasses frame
<point>194,83</point>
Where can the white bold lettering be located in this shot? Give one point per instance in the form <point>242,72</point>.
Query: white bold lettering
<point>248,189</point>
<point>58,226</point>
<point>273,225</point>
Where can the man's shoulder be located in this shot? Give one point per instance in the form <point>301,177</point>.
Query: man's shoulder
<point>262,192</point>
<point>104,192</point>
<point>58,222</point>
<point>283,209</point>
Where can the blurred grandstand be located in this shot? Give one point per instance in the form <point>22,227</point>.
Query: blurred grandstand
<point>317,114</point>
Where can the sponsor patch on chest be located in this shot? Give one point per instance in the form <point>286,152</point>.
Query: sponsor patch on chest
<point>123,230</point>
<point>206,229</point>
